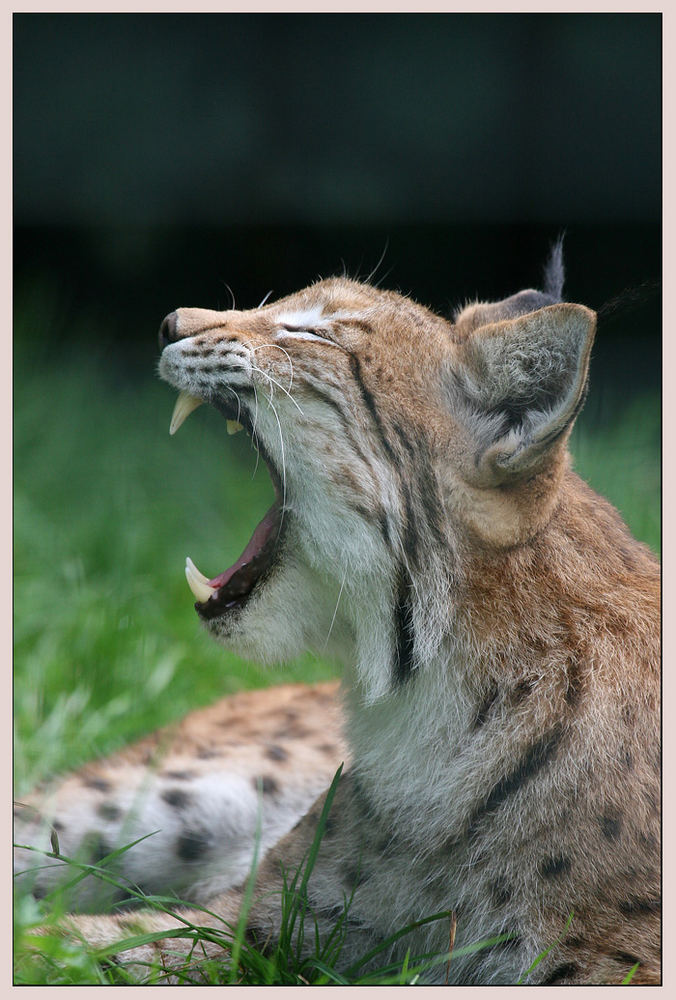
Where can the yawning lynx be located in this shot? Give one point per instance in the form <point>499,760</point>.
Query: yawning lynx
<point>498,630</point>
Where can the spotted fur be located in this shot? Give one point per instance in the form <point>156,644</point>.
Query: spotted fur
<point>497,625</point>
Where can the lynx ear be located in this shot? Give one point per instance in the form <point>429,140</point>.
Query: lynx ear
<point>520,384</point>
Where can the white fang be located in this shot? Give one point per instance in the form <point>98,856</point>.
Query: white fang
<point>198,582</point>
<point>185,404</point>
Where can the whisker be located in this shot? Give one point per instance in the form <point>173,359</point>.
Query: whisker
<point>274,381</point>
<point>335,611</point>
<point>239,401</point>
<point>264,299</point>
<point>254,432</point>
<point>284,351</point>
<point>232,294</point>
<point>382,258</point>
<point>281,445</point>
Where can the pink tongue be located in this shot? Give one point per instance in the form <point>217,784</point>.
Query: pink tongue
<point>256,543</point>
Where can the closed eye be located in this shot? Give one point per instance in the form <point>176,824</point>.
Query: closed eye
<point>300,333</point>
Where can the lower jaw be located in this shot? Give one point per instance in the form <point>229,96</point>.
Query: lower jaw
<point>236,586</point>
<point>216,607</point>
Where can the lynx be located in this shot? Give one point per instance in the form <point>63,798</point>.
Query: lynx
<point>498,630</point>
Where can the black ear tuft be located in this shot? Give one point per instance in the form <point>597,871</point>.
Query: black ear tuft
<point>477,314</point>
<point>554,272</point>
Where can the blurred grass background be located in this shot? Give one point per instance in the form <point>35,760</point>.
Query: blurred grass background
<point>107,506</point>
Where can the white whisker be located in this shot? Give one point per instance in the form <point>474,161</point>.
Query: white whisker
<point>232,294</point>
<point>335,612</point>
<point>284,351</point>
<point>382,258</point>
<point>274,381</point>
<point>239,401</point>
<point>254,431</point>
<point>281,445</point>
<point>264,300</point>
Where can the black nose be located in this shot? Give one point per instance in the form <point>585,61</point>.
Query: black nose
<point>168,330</point>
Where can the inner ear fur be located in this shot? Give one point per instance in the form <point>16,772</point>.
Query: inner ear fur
<point>518,387</point>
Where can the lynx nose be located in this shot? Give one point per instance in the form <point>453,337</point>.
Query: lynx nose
<point>169,330</point>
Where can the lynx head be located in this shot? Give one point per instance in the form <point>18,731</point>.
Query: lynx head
<point>397,443</point>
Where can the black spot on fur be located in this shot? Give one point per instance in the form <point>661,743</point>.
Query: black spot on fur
<point>611,826</point>
<point>485,707</point>
<point>109,811</point>
<point>275,752</point>
<point>521,690</point>
<point>560,974</point>
<point>576,942</point>
<point>635,906</point>
<point>556,865</point>
<point>574,682</point>
<point>501,892</point>
<point>176,797</point>
<point>95,847</point>
<point>98,784</point>
<point>179,775</point>
<point>354,876</point>
<point>207,753</point>
<point>629,715</point>
<point>625,957</point>
<point>252,935</point>
<point>268,785</point>
<point>191,845</point>
<point>628,760</point>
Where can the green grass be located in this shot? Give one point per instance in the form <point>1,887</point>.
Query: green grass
<point>620,458</point>
<point>107,506</point>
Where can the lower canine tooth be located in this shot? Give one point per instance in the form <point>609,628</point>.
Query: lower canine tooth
<point>233,426</point>
<point>197,582</point>
<point>185,404</point>
<point>190,565</point>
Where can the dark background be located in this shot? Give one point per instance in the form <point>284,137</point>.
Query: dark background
<point>160,159</point>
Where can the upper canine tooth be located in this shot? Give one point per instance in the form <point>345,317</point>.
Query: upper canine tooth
<point>233,426</point>
<point>197,582</point>
<point>185,404</point>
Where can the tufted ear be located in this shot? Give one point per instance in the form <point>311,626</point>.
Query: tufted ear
<point>518,386</point>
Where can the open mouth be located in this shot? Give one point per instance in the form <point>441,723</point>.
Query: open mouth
<point>232,588</point>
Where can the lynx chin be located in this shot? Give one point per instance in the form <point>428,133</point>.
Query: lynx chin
<point>498,631</point>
